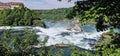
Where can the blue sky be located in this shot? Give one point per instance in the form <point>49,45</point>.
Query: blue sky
<point>44,4</point>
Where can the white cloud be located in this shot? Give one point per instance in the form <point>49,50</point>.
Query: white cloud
<point>44,4</point>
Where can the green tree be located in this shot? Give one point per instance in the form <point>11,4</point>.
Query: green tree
<point>21,16</point>
<point>105,13</point>
<point>13,43</point>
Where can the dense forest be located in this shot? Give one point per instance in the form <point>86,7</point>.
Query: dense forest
<point>55,14</point>
<point>21,16</point>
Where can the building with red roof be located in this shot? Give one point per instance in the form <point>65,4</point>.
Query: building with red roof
<point>10,5</point>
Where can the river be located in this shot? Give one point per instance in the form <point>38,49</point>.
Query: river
<point>57,33</point>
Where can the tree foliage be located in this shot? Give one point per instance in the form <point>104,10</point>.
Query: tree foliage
<point>23,42</point>
<point>21,16</point>
<point>14,43</point>
<point>104,12</point>
<point>54,14</point>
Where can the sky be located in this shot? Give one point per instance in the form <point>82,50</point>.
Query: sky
<point>44,4</point>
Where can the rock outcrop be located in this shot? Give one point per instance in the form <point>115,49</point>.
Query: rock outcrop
<point>74,25</point>
<point>77,27</point>
<point>69,28</point>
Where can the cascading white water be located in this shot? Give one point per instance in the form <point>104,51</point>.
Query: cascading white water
<point>57,33</point>
<point>61,35</point>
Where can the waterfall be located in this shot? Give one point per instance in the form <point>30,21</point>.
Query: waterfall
<point>57,34</point>
<point>61,35</point>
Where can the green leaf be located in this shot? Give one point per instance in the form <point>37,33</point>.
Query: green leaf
<point>106,18</point>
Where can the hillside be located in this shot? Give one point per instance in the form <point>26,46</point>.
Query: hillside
<point>56,14</point>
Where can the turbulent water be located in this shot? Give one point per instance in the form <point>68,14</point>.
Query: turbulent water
<point>57,33</point>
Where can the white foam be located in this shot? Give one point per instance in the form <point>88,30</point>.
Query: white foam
<point>75,39</point>
<point>55,36</point>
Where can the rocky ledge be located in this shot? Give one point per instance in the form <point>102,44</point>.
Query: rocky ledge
<point>110,34</point>
<point>61,45</point>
